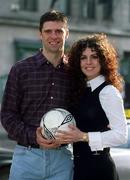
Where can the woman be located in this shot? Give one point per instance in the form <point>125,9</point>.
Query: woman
<point>99,112</point>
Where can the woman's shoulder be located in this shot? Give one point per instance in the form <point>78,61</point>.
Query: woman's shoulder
<point>110,90</point>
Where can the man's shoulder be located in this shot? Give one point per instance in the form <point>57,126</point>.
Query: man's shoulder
<point>25,63</point>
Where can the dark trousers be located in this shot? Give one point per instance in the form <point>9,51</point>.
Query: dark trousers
<point>95,167</point>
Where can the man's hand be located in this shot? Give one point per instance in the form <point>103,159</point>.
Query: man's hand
<point>45,143</point>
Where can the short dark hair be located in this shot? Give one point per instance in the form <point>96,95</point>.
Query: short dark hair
<point>52,15</point>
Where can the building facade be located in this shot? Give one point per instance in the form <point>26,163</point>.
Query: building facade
<point>19,36</point>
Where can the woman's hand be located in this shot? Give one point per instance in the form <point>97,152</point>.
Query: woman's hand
<point>66,137</point>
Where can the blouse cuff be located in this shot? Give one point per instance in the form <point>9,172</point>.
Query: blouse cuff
<point>95,141</point>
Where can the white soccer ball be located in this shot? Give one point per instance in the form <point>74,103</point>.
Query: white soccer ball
<point>56,119</point>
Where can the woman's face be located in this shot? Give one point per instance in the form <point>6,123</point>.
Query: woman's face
<point>89,63</point>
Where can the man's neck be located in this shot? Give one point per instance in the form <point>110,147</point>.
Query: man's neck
<point>53,58</point>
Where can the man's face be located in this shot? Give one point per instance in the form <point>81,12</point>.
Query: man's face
<point>53,36</point>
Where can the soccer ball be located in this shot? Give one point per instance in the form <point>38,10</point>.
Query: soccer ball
<point>56,119</point>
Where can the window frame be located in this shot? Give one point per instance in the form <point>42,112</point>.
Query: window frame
<point>28,5</point>
<point>86,11</point>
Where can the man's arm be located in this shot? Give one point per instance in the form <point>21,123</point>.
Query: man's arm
<point>10,111</point>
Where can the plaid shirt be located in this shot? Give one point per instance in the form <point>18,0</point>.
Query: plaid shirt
<point>34,86</point>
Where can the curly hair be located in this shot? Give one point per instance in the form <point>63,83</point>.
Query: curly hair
<point>108,60</point>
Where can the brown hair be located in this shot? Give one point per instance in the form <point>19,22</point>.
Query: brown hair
<point>108,61</point>
<point>52,16</point>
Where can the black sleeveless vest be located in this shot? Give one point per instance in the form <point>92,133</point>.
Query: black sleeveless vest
<point>90,117</point>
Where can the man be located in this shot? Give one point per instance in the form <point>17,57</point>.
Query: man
<point>34,86</point>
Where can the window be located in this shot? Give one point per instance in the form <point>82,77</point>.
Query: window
<point>88,9</point>
<point>63,6</point>
<point>107,9</point>
<point>25,48</point>
<point>28,5</point>
<point>3,80</point>
<point>129,10</point>
<point>68,7</point>
<point>125,71</point>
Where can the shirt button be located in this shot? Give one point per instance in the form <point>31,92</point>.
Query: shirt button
<point>51,97</point>
<point>52,84</point>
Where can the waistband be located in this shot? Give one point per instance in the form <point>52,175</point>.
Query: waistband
<point>83,153</point>
<point>105,151</point>
<point>37,146</point>
<point>29,145</point>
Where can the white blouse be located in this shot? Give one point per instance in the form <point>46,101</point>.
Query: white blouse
<point>112,104</point>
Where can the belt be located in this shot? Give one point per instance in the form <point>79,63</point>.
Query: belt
<point>37,146</point>
<point>105,151</point>
<point>82,154</point>
<point>30,145</point>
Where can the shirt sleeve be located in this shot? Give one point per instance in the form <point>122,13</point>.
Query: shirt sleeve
<point>112,103</point>
<point>11,118</point>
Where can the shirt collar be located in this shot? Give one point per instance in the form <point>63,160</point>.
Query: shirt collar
<point>41,59</point>
<point>94,83</point>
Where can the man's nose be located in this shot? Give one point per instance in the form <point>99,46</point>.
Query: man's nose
<point>53,34</point>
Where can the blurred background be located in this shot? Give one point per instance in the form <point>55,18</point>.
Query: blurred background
<point>19,36</point>
<point>19,20</point>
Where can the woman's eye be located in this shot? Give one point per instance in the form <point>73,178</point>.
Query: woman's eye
<point>82,58</point>
<point>95,57</point>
